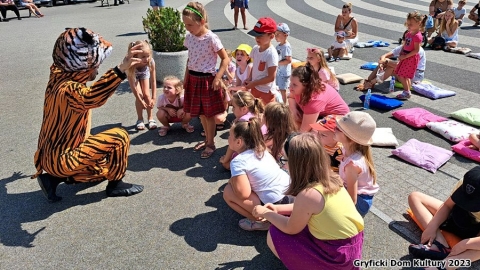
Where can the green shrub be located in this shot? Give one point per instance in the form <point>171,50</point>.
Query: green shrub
<point>165,29</point>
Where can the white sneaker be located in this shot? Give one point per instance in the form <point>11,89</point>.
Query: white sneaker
<point>250,225</point>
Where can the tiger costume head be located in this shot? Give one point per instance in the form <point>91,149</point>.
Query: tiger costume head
<point>79,50</point>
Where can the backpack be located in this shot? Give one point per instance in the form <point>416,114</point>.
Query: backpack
<point>438,43</point>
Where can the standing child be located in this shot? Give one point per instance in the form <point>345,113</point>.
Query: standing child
<point>244,66</point>
<point>354,131</point>
<point>284,51</point>
<point>280,125</point>
<point>170,106</point>
<point>325,128</point>
<point>409,58</point>
<point>265,61</point>
<point>338,49</point>
<point>256,178</point>
<point>245,106</point>
<point>141,78</point>
<point>239,5</point>
<point>203,85</point>
<point>322,229</point>
<point>316,60</point>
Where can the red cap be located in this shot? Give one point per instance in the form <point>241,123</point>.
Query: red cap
<point>263,26</point>
<point>327,123</point>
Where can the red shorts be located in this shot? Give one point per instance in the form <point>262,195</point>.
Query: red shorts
<point>200,98</point>
<point>175,120</point>
<point>265,97</point>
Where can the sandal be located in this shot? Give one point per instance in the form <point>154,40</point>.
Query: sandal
<point>162,131</point>
<point>152,124</point>
<point>200,146</point>
<point>188,127</point>
<point>140,125</point>
<point>206,153</point>
<point>422,251</point>
<point>404,95</point>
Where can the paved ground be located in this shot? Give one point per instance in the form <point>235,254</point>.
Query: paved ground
<point>180,221</point>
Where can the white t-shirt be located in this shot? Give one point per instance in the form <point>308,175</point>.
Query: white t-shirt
<point>460,12</point>
<point>265,59</point>
<point>266,178</point>
<point>202,52</point>
<point>243,76</point>
<point>421,53</point>
<point>338,45</point>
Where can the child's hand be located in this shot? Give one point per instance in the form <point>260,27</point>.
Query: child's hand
<point>428,235</point>
<point>248,84</point>
<point>144,105</point>
<point>172,112</point>
<point>401,57</point>
<point>217,84</point>
<point>259,211</point>
<point>152,103</point>
<point>272,207</point>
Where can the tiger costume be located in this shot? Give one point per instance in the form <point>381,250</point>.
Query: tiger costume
<point>66,150</point>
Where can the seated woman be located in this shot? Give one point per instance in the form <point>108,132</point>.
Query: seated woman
<point>437,10</point>
<point>311,99</point>
<point>388,66</point>
<point>256,177</point>
<point>32,7</point>
<point>323,230</point>
<point>459,215</point>
<point>475,17</point>
<point>347,23</point>
<point>448,30</point>
<point>8,5</point>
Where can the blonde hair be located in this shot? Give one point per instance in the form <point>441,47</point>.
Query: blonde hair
<point>309,165</point>
<point>443,23</point>
<point>246,99</point>
<point>145,48</point>
<point>178,83</point>
<point>366,152</point>
<point>348,6</point>
<point>418,17</point>
<point>191,10</point>
<point>323,64</point>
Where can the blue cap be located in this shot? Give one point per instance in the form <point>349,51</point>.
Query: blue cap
<point>283,27</point>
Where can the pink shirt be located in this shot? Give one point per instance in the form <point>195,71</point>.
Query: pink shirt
<point>325,76</point>
<point>163,101</point>
<point>324,103</point>
<point>365,183</point>
<point>410,40</point>
<point>202,52</point>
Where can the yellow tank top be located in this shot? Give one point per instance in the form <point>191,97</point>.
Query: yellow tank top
<point>339,218</point>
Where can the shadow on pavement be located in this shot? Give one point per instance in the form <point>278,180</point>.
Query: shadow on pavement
<point>132,34</point>
<point>206,231</point>
<point>17,209</point>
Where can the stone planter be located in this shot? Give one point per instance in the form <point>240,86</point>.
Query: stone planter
<point>170,63</point>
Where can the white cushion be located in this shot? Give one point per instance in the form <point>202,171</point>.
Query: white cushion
<point>452,130</point>
<point>384,137</point>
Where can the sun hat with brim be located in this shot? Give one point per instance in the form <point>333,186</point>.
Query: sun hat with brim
<point>242,47</point>
<point>467,195</point>
<point>358,126</point>
<point>263,26</point>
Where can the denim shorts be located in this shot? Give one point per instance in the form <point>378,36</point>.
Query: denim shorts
<point>419,76</point>
<point>282,82</point>
<point>157,3</point>
<point>364,202</point>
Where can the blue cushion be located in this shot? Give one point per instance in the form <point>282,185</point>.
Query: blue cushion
<point>378,43</point>
<point>369,65</point>
<point>383,102</point>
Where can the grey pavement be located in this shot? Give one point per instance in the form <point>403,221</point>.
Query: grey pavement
<point>180,221</point>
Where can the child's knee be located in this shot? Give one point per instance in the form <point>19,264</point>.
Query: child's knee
<point>414,197</point>
<point>227,192</point>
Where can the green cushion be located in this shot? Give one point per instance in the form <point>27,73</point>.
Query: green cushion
<point>468,115</point>
<point>399,85</point>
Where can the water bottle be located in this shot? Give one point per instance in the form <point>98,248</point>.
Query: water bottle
<point>366,102</point>
<point>391,89</point>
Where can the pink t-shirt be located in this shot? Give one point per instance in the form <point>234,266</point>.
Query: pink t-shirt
<point>324,103</point>
<point>411,39</point>
<point>365,183</point>
<point>162,101</point>
<point>202,52</point>
<point>325,76</point>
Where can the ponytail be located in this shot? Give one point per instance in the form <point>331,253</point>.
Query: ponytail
<point>251,133</point>
<point>246,99</point>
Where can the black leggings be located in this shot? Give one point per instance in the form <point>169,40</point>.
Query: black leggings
<point>3,10</point>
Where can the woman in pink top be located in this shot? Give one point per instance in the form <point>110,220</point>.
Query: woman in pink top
<point>311,99</point>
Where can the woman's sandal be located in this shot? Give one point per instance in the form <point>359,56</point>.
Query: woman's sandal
<point>206,153</point>
<point>200,146</point>
<point>422,251</point>
<point>140,125</point>
<point>188,128</point>
<point>162,131</point>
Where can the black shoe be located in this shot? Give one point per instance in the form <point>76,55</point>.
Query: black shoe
<point>49,184</point>
<point>123,190</point>
<point>19,18</point>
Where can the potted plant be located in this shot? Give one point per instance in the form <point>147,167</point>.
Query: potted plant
<point>166,33</point>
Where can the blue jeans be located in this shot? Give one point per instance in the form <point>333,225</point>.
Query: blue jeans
<point>364,202</point>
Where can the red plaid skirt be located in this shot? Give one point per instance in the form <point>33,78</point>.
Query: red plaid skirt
<point>200,98</point>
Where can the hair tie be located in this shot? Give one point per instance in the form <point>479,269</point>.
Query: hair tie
<point>194,11</point>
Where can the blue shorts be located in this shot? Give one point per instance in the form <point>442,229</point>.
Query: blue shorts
<point>364,202</point>
<point>239,4</point>
<point>157,3</point>
<point>282,82</point>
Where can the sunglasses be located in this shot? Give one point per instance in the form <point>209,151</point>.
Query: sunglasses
<point>283,160</point>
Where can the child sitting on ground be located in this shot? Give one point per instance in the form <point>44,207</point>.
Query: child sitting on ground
<point>245,106</point>
<point>256,178</point>
<point>316,60</point>
<point>325,128</point>
<point>280,125</point>
<point>354,131</point>
<point>170,106</point>
<point>338,48</point>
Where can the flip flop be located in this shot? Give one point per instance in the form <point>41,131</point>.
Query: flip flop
<point>205,153</point>
<point>200,146</point>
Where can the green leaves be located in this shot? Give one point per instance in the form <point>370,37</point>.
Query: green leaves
<point>165,29</point>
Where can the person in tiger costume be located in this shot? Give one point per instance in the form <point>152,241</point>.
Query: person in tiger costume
<point>67,152</point>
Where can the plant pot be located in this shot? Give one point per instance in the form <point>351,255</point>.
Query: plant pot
<point>170,63</point>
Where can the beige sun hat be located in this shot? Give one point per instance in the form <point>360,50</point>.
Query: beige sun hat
<point>358,126</point>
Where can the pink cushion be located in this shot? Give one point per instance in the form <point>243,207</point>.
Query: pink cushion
<point>462,148</point>
<point>417,117</point>
<point>423,155</point>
